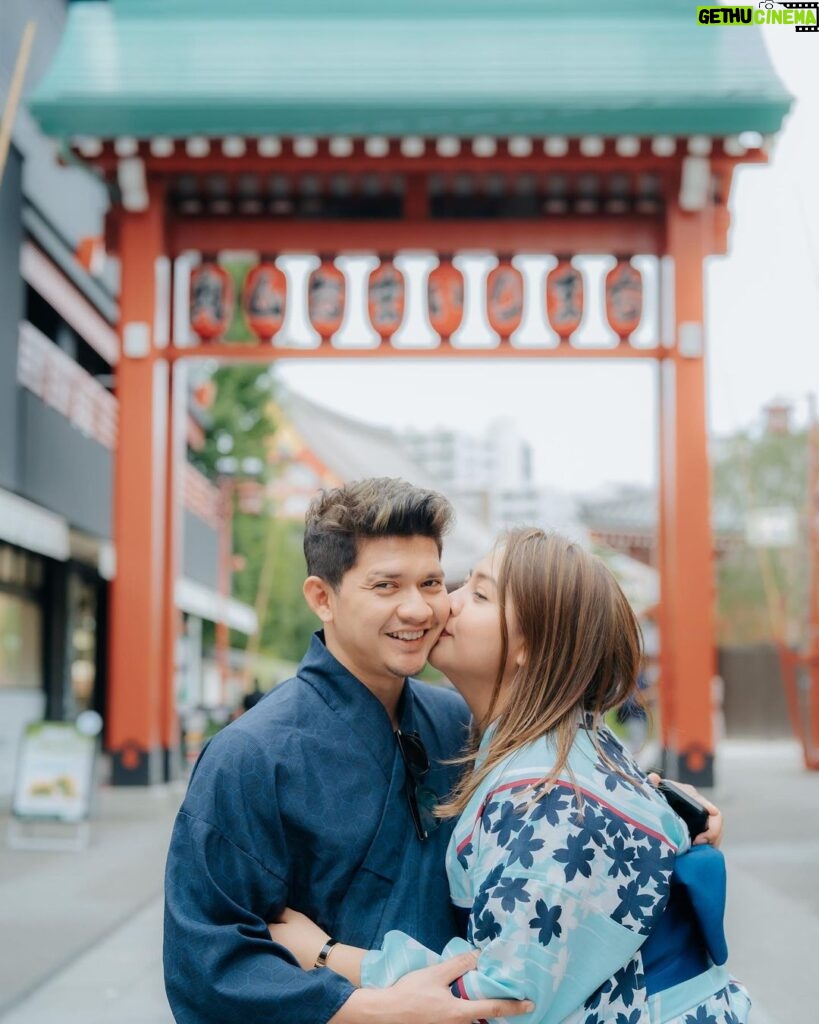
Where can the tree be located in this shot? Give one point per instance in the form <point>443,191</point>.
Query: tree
<point>761,592</point>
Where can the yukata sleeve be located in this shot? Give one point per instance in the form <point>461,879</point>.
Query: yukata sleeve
<point>565,896</point>
<point>226,877</point>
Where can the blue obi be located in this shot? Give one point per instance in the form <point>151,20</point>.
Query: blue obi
<point>689,936</point>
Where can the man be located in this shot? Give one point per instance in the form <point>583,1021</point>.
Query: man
<point>319,797</point>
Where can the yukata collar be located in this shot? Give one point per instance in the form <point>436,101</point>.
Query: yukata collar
<point>355,704</point>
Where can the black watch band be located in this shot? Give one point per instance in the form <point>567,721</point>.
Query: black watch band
<point>326,949</point>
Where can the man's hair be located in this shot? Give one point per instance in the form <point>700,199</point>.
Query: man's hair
<point>338,519</point>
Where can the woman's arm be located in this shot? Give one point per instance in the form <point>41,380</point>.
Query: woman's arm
<point>422,997</point>
<point>305,940</point>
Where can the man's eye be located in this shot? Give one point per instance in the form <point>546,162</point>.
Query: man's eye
<point>384,586</point>
<point>433,583</point>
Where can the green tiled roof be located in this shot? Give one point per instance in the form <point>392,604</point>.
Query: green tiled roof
<point>405,67</point>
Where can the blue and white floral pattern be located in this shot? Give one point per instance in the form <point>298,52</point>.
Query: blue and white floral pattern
<point>563,884</point>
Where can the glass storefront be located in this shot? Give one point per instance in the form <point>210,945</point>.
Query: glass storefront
<point>82,643</point>
<point>21,619</point>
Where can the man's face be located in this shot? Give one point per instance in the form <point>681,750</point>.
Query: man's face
<point>388,610</point>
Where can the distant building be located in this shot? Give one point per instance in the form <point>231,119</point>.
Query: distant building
<point>492,477</point>
<point>315,447</point>
<point>59,350</point>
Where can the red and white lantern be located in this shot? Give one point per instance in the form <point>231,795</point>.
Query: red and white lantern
<point>504,299</point>
<point>624,298</point>
<point>326,299</point>
<point>445,299</point>
<point>264,300</point>
<point>211,300</point>
<point>564,298</point>
<point>386,294</point>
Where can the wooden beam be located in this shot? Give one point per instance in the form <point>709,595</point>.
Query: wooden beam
<point>592,235</point>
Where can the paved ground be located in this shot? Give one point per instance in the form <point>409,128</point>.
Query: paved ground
<point>81,933</point>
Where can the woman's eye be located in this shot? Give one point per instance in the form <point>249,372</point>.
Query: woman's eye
<point>480,596</point>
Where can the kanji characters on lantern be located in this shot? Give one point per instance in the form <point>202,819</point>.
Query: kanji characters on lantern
<point>445,299</point>
<point>326,298</point>
<point>385,298</point>
<point>211,300</point>
<point>564,298</point>
<point>624,298</point>
<point>264,300</point>
<point>504,299</point>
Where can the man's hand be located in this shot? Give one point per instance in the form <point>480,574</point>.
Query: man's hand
<point>713,834</point>
<point>423,997</point>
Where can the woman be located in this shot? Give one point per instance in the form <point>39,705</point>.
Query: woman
<point>568,863</point>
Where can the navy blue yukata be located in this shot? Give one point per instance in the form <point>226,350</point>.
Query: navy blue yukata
<point>302,802</point>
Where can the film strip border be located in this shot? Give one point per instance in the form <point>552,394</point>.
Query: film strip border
<point>803,7</point>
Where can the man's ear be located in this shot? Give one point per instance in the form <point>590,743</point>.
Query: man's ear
<point>318,595</point>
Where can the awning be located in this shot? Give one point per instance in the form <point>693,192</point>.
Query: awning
<point>197,599</point>
<point>33,527</point>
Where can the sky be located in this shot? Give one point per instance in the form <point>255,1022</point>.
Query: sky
<point>593,424</point>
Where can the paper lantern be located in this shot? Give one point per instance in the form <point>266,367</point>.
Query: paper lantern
<point>385,298</point>
<point>504,299</point>
<point>264,300</point>
<point>624,298</point>
<point>326,299</point>
<point>211,301</point>
<point>445,298</point>
<point>564,298</point>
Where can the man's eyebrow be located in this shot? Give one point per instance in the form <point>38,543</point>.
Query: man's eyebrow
<point>388,574</point>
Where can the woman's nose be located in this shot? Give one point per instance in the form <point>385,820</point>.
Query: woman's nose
<point>456,600</point>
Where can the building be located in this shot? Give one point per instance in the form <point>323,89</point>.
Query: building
<point>492,477</point>
<point>316,447</point>
<point>59,353</point>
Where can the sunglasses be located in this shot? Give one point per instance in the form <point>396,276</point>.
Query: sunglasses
<point>421,798</point>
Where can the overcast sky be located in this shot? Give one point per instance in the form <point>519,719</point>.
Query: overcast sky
<point>595,423</point>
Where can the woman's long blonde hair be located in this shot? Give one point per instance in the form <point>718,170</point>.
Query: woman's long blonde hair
<point>583,648</point>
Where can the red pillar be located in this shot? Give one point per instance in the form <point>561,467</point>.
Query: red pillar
<point>134,727</point>
<point>687,551</point>
<point>172,617</point>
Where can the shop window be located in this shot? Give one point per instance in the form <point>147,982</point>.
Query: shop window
<point>82,642</point>
<point>21,643</point>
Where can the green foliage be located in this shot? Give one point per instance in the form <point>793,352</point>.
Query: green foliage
<point>239,429</point>
<point>761,593</point>
<point>287,621</point>
<point>239,422</point>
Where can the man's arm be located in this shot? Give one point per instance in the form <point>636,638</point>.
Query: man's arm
<point>227,870</point>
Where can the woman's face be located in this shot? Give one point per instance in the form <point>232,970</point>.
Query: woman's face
<point>468,650</point>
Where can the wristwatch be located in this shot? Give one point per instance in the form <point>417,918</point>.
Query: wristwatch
<point>326,949</point>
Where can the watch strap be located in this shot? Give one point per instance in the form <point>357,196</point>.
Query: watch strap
<point>326,949</point>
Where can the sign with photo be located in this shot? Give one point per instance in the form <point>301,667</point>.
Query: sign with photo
<point>55,772</point>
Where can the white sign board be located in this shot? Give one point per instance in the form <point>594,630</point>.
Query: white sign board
<point>773,527</point>
<point>55,773</point>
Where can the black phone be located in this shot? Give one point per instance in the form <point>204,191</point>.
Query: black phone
<point>690,810</point>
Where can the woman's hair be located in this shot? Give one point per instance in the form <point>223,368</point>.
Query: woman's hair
<point>582,644</point>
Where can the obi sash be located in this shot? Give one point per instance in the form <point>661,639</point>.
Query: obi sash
<point>689,936</point>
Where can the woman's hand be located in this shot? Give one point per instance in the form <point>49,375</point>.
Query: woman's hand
<point>300,935</point>
<point>712,834</point>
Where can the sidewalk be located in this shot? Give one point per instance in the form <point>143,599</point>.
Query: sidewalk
<point>85,929</point>
<point>76,928</point>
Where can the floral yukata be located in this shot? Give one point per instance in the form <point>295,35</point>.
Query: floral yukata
<point>563,886</point>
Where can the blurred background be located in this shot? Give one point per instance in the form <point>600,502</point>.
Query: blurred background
<point>215,223</point>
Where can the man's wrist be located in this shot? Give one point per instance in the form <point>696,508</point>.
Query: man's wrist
<point>325,951</point>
